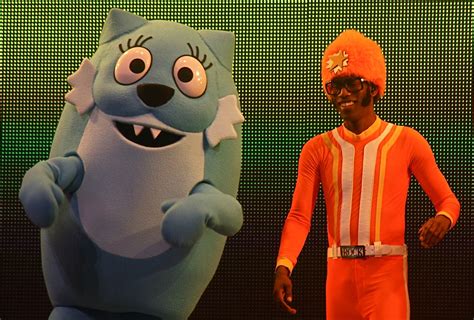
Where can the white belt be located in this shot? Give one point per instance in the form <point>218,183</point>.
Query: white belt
<point>375,250</point>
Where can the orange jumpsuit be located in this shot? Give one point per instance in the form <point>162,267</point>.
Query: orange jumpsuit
<point>365,180</point>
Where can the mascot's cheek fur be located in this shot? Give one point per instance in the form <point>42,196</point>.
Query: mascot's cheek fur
<point>138,196</point>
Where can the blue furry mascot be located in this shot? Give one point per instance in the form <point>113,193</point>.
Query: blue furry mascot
<point>138,196</point>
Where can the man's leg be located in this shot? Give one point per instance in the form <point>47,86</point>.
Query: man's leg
<point>342,296</point>
<point>386,293</point>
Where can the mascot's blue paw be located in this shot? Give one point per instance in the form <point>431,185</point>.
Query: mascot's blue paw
<point>185,219</point>
<point>44,185</point>
<point>40,196</point>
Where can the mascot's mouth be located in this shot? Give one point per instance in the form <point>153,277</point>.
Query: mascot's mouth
<point>146,136</point>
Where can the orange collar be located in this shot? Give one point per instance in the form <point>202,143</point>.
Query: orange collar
<point>366,133</point>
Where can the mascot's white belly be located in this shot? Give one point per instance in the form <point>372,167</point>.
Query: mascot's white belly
<point>119,201</point>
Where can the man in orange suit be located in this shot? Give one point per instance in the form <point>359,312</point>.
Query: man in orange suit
<point>364,167</point>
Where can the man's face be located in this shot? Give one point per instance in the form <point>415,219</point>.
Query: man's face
<point>353,98</point>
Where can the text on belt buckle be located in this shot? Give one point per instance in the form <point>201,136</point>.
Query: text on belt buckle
<point>352,252</point>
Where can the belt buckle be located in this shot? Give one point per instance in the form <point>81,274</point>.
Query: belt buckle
<point>352,252</point>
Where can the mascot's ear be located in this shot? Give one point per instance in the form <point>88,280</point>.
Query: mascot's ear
<point>222,44</point>
<point>119,22</point>
<point>228,114</point>
<point>81,82</point>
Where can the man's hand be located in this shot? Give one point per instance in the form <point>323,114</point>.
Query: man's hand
<point>282,289</point>
<point>433,231</point>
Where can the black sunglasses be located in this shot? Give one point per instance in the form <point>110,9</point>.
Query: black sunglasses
<point>352,85</point>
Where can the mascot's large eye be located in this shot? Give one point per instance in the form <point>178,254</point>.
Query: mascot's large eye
<point>190,76</point>
<point>132,65</point>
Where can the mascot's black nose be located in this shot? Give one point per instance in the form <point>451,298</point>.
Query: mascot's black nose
<point>154,95</point>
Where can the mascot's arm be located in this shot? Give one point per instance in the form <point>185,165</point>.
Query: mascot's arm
<point>206,206</point>
<point>45,185</point>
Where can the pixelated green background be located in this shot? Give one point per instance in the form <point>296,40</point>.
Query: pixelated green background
<point>428,49</point>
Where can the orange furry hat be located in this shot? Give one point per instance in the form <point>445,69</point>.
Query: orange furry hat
<point>353,54</point>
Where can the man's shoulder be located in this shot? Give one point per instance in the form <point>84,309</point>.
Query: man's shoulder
<point>409,137</point>
<point>318,141</point>
<point>409,132</point>
<point>319,138</point>
<point>406,131</point>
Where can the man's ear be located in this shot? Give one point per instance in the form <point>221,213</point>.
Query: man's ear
<point>374,90</point>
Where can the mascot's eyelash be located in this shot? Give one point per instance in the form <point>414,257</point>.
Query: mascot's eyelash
<point>137,43</point>
<point>197,56</point>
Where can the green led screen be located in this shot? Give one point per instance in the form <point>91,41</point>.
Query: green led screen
<point>279,45</point>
